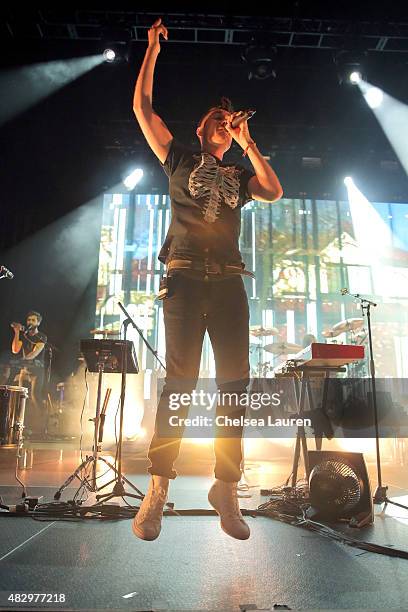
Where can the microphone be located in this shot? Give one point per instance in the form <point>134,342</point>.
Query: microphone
<point>22,327</point>
<point>246,114</point>
<point>6,273</point>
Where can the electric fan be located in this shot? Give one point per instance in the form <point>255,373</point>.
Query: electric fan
<point>339,487</point>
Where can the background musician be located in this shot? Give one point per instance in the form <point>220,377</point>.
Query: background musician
<point>308,339</point>
<point>27,365</point>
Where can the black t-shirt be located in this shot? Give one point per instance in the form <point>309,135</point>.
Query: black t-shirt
<point>206,200</point>
<point>28,342</point>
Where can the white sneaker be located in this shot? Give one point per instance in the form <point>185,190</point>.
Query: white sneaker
<point>223,498</point>
<point>147,522</point>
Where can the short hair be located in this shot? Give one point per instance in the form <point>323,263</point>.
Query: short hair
<point>36,314</point>
<point>308,339</point>
<point>225,104</point>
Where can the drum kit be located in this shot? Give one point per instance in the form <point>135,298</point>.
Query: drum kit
<point>353,326</point>
<point>358,336</point>
<point>275,348</point>
<point>105,332</point>
<point>13,405</point>
<point>282,348</point>
<point>13,398</point>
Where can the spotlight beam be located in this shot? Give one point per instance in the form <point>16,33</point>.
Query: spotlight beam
<point>24,87</point>
<point>373,235</point>
<point>133,179</point>
<point>392,115</point>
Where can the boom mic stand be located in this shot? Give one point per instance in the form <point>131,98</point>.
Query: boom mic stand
<point>131,321</point>
<point>380,495</point>
<point>118,489</point>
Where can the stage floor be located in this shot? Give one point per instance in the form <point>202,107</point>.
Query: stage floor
<point>193,565</point>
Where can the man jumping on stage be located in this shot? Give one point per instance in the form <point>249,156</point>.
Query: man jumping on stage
<point>205,289</point>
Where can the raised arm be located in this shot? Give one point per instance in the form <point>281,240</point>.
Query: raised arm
<point>16,343</point>
<point>153,127</point>
<point>265,185</point>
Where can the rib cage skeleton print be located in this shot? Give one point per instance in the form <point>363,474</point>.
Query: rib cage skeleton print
<point>214,184</point>
<point>206,200</point>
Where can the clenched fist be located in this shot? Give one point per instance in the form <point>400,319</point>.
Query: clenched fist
<point>154,34</point>
<point>17,326</point>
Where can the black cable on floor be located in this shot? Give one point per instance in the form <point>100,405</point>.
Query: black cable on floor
<point>284,508</point>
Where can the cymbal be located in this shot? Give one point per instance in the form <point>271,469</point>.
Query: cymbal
<point>330,333</point>
<point>282,348</point>
<point>348,325</point>
<point>105,332</point>
<point>258,331</point>
<point>360,337</point>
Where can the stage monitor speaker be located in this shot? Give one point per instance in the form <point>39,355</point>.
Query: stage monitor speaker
<point>340,488</point>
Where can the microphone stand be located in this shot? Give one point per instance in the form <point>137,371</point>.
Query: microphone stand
<point>118,489</point>
<point>131,321</point>
<point>380,495</point>
<point>46,384</point>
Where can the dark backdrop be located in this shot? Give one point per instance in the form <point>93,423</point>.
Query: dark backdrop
<point>59,156</point>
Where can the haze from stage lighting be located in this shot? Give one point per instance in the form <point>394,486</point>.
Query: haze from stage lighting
<point>374,97</point>
<point>392,115</point>
<point>373,235</point>
<point>28,85</point>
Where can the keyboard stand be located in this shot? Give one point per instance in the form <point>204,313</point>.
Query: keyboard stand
<point>302,376</point>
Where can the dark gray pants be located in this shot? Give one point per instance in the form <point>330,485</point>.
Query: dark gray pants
<point>193,307</point>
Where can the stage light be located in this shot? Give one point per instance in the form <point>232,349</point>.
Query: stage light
<point>116,42</point>
<point>109,55</point>
<point>356,77</point>
<point>374,97</point>
<point>348,181</point>
<point>133,179</point>
<point>260,60</point>
<point>350,66</point>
